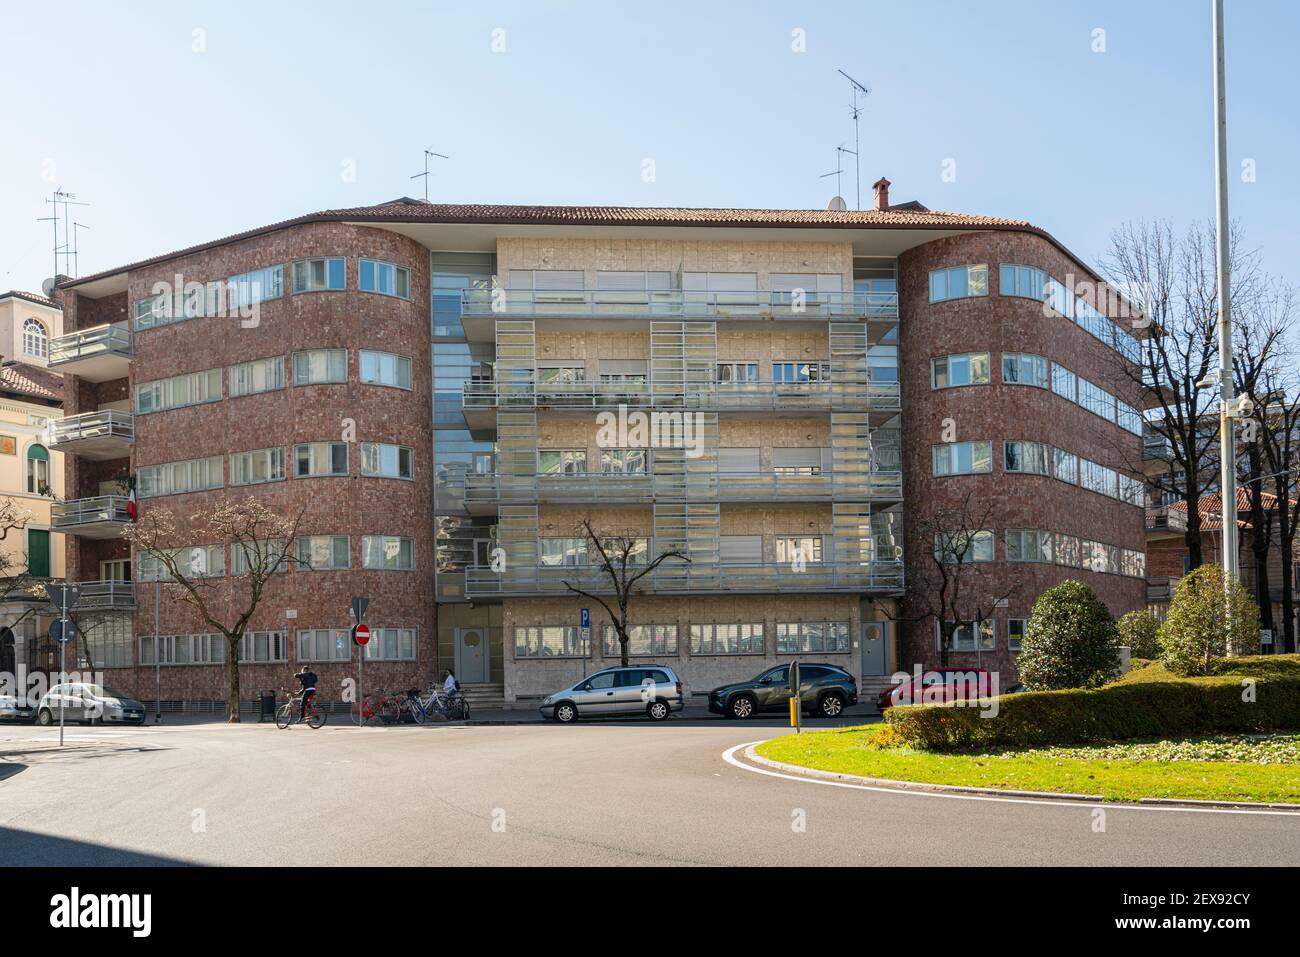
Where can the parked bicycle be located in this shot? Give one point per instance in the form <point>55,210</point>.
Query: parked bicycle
<point>290,711</point>
<point>385,706</point>
<point>436,701</point>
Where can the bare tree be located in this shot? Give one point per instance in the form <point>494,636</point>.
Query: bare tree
<point>261,544</point>
<point>1174,280</point>
<point>1277,421</point>
<point>939,588</point>
<point>623,558</point>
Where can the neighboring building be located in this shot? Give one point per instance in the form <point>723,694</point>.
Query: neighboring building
<point>819,355</point>
<point>31,476</point>
<point>1168,559</point>
<point>27,324</point>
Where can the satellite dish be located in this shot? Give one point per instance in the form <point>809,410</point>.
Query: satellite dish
<point>47,287</point>
<point>837,204</point>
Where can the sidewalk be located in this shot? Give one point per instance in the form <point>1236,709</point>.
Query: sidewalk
<point>694,713</point>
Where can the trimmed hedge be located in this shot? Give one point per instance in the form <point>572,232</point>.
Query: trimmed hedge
<point>1152,708</point>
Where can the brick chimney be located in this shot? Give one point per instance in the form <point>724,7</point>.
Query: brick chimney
<point>881,186</point>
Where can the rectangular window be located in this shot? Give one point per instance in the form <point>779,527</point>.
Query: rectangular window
<point>1097,400</point>
<point>798,373</point>
<point>197,561</point>
<point>1060,299</point>
<point>1030,458</point>
<point>806,549</point>
<point>965,368</point>
<point>728,639</point>
<point>324,644</point>
<point>388,552</point>
<point>208,649</point>
<point>391,644</point>
<point>260,647</point>
<point>550,641</point>
<point>319,366</point>
<point>963,458</point>
<point>178,391</point>
<point>387,279</point>
<point>807,637</point>
<point>562,462</point>
<point>1066,550</point>
<point>314,459</point>
<point>643,640</point>
<point>256,467</point>
<point>962,547</point>
<point>259,285</point>
<point>381,460</point>
<point>959,282</point>
<point>1098,478</point>
<point>1022,368</point>
<point>1065,383</point>
<point>110,642</point>
<point>259,555</point>
<point>1131,490</point>
<point>797,461</point>
<point>318,275</point>
<point>323,553</point>
<point>1127,417</point>
<point>1065,466</point>
<point>623,461</point>
<point>385,368</point>
<point>1015,632</point>
<point>1023,281</point>
<point>963,638</point>
<point>737,372</point>
<point>570,552</point>
<point>260,375</point>
<point>174,478</point>
<point>1028,545</point>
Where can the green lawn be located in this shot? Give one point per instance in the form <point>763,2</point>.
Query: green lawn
<point>1118,773</point>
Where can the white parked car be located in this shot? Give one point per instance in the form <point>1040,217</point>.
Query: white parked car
<point>89,703</point>
<point>15,709</point>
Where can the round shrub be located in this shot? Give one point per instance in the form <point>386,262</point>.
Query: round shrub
<point>1070,642</point>
<point>1196,634</point>
<point>1139,631</point>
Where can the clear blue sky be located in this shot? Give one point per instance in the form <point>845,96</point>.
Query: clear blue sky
<point>174,146</point>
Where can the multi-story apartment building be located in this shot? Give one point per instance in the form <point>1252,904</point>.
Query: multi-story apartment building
<point>435,386</point>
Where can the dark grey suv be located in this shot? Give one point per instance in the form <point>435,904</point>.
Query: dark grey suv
<point>824,690</point>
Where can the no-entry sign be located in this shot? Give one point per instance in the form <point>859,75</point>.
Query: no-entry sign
<point>361,634</point>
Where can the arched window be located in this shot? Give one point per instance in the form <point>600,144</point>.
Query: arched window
<point>35,341</point>
<point>38,469</point>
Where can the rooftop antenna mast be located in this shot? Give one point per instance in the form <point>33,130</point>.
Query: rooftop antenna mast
<point>62,251</point>
<point>425,174</point>
<point>76,265</point>
<point>838,171</point>
<point>856,111</point>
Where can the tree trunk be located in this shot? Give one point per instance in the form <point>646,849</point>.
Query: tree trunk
<point>232,669</point>
<point>622,645</point>
<point>1261,538</point>
<point>1288,599</point>
<point>1192,537</point>
<point>945,642</point>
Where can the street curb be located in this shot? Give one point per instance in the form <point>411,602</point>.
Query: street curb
<point>795,769</point>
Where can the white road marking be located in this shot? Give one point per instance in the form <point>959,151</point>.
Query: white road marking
<point>730,757</point>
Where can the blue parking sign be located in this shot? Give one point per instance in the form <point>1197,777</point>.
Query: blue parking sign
<point>586,618</point>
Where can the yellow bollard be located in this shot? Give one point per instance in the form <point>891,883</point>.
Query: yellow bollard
<point>794,712</point>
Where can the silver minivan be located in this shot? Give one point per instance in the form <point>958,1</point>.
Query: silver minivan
<point>652,690</point>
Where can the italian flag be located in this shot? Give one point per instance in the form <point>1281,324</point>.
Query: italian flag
<point>132,510</point>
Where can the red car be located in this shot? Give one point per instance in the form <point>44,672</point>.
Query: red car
<point>939,685</point>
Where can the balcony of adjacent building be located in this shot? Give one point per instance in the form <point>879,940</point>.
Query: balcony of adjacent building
<point>100,517</point>
<point>1165,521</point>
<point>98,354</point>
<point>483,398</point>
<point>1157,393</point>
<point>1157,453</point>
<point>485,492</point>
<point>108,595</point>
<point>576,309</point>
<point>882,578</point>
<point>99,436</point>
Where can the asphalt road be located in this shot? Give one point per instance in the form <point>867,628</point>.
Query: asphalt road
<point>617,793</point>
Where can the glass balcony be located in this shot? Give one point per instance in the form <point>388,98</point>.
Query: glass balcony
<point>1166,518</point>
<point>103,516</point>
<point>678,304</point>
<point>99,436</point>
<point>106,596</point>
<point>484,492</point>
<point>99,354</point>
<point>882,577</point>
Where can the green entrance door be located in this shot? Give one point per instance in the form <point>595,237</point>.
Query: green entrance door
<point>38,553</point>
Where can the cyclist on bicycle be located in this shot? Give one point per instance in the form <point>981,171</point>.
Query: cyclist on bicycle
<point>308,681</point>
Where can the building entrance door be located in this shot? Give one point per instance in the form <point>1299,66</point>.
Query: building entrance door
<point>471,655</point>
<point>875,651</point>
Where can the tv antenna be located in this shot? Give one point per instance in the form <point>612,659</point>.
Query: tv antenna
<point>838,171</point>
<point>425,174</point>
<point>856,111</point>
<point>65,250</point>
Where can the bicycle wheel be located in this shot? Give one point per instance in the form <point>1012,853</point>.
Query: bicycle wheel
<point>315,716</point>
<point>464,710</point>
<point>418,714</point>
<point>284,716</point>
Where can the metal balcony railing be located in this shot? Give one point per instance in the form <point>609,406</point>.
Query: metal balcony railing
<point>677,304</point>
<point>725,486</point>
<point>677,577</point>
<point>113,339</point>
<point>1157,448</point>
<point>106,596</point>
<point>725,396</point>
<point>99,517</point>
<point>1160,589</point>
<point>1165,518</point>
<point>107,433</point>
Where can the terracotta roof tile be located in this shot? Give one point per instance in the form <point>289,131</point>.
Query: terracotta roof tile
<point>30,297</point>
<point>21,378</point>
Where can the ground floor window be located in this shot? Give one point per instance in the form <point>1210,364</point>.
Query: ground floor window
<point>324,644</point>
<point>744,639</point>
<point>391,644</point>
<point>800,637</point>
<point>550,641</point>
<point>258,647</point>
<point>643,640</point>
<point>963,638</point>
<point>207,649</point>
<point>106,640</point>
<point>1015,632</point>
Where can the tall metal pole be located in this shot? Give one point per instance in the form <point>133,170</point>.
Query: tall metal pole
<point>63,658</point>
<point>1227,438</point>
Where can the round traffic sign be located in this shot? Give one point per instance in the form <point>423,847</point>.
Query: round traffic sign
<point>361,634</point>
